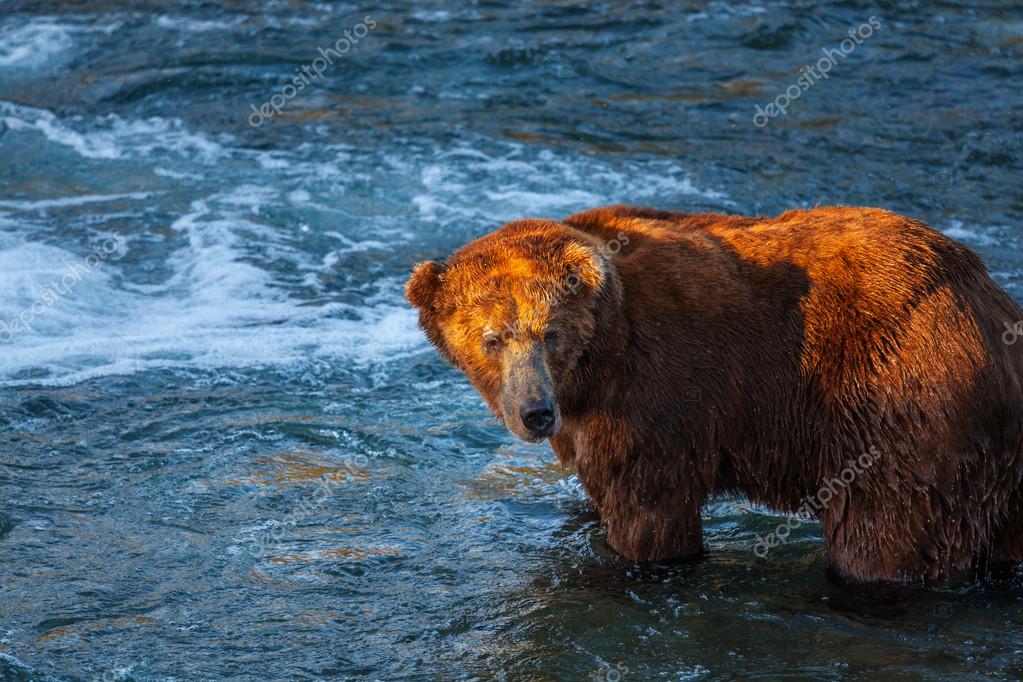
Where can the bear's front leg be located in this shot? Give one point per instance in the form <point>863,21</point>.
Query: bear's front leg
<point>670,530</point>
<point>649,499</point>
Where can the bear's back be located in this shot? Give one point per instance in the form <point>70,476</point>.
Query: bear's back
<point>877,300</point>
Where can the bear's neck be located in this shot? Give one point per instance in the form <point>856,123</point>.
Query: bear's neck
<point>597,377</point>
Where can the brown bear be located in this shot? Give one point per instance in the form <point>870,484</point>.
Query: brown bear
<point>672,357</point>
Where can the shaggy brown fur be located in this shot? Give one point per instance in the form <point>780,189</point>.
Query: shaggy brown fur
<point>673,357</point>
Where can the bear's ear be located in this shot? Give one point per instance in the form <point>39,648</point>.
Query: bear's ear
<point>423,284</point>
<point>584,263</point>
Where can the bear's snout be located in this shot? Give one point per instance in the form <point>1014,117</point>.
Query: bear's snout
<point>527,399</point>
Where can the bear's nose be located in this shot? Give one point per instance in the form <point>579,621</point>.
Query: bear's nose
<point>537,417</point>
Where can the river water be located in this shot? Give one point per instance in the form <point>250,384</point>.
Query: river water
<point>226,452</point>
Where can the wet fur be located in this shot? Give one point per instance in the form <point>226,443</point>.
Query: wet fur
<point>723,354</point>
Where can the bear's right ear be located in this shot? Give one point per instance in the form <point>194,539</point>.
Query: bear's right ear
<point>423,284</point>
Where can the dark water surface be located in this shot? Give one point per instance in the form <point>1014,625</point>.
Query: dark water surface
<point>227,453</point>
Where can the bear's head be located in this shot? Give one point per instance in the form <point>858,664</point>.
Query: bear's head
<point>516,311</point>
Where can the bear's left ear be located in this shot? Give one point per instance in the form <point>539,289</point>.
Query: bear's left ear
<point>584,263</point>
<point>423,284</point>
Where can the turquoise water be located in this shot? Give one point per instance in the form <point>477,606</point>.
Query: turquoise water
<point>226,452</point>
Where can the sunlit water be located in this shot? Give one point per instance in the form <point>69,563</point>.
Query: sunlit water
<point>227,452</point>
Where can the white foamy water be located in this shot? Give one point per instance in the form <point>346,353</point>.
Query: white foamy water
<point>111,137</point>
<point>68,316</point>
<point>974,236</point>
<point>550,186</point>
<point>225,257</point>
<point>186,25</point>
<point>41,204</point>
<point>40,42</point>
<point>34,44</point>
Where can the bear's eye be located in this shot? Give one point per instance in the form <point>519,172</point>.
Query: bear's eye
<point>491,342</point>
